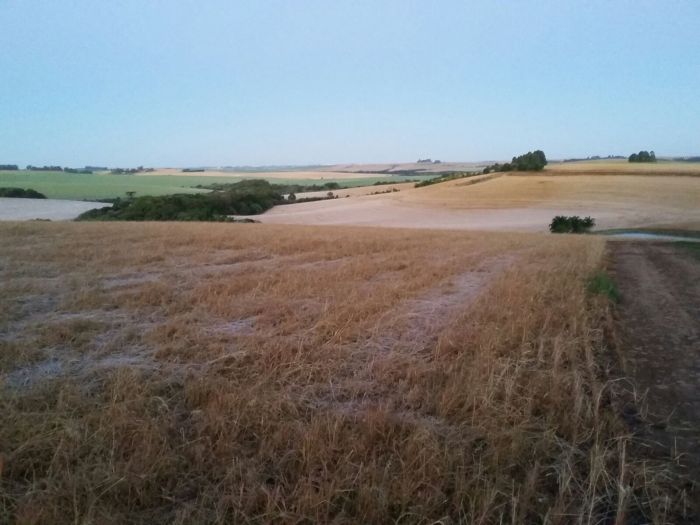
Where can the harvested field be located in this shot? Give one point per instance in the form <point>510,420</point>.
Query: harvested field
<point>55,210</point>
<point>516,202</point>
<point>623,167</point>
<point>271,175</point>
<point>188,373</point>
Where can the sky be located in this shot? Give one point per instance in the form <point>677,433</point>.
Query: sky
<point>264,82</point>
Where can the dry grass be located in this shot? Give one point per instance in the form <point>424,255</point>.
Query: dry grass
<point>613,167</point>
<point>623,192</point>
<point>511,202</point>
<point>188,373</point>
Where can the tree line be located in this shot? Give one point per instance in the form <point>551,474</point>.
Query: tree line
<point>20,193</point>
<point>248,197</point>
<point>530,161</point>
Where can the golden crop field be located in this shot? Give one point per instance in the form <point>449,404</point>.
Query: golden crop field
<point>516,202</point>
<point>600,191</point>
<point>611,167</point>
<point>189,373</point>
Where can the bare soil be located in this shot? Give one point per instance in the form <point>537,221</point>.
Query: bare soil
<point>45,209</point>
<point>659,318</point>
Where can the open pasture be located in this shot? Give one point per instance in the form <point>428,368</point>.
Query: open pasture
<point>179,373</point>
<point>95,186</point>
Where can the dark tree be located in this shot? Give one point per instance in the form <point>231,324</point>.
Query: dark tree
<point>642,156</point>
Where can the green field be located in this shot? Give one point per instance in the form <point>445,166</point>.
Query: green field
<point>75,186</point>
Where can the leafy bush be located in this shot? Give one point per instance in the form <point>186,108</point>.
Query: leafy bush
<point>21,193</point>
<point>249,197</point>
<point>573,224</point>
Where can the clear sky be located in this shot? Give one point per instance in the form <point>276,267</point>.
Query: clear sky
<point>226,82</point>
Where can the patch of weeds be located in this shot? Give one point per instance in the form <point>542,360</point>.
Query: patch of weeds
<point>601,284</point>
<point>692,247</point>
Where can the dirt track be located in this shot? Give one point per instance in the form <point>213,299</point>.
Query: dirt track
<point>659,319</point>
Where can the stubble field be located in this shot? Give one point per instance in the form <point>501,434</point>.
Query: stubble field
<point>179,373</point>
<point>515,202</point>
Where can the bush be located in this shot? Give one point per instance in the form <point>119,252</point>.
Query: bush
<point>21,193</point>
<point>573,224</point>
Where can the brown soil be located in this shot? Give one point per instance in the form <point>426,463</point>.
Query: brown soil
<point>659,319</point>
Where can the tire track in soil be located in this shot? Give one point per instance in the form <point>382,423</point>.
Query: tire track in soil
<point>659,326</point>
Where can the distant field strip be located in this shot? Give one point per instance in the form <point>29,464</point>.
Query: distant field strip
<point>75,186</point>
<point>622,167</point>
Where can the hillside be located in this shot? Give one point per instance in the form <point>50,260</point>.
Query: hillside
<point>518,202</point>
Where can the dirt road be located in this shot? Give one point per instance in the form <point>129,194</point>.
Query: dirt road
<point>659,318</point>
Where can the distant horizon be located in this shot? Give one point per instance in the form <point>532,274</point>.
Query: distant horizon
<point>271,167</point>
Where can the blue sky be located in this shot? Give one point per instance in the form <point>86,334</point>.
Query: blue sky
<point>214,82</point>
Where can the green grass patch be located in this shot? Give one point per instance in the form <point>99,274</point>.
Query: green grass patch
<point>98,186</point>
<point>601,283</point>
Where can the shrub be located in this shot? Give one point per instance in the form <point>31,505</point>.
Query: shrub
<point>573,224</point>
